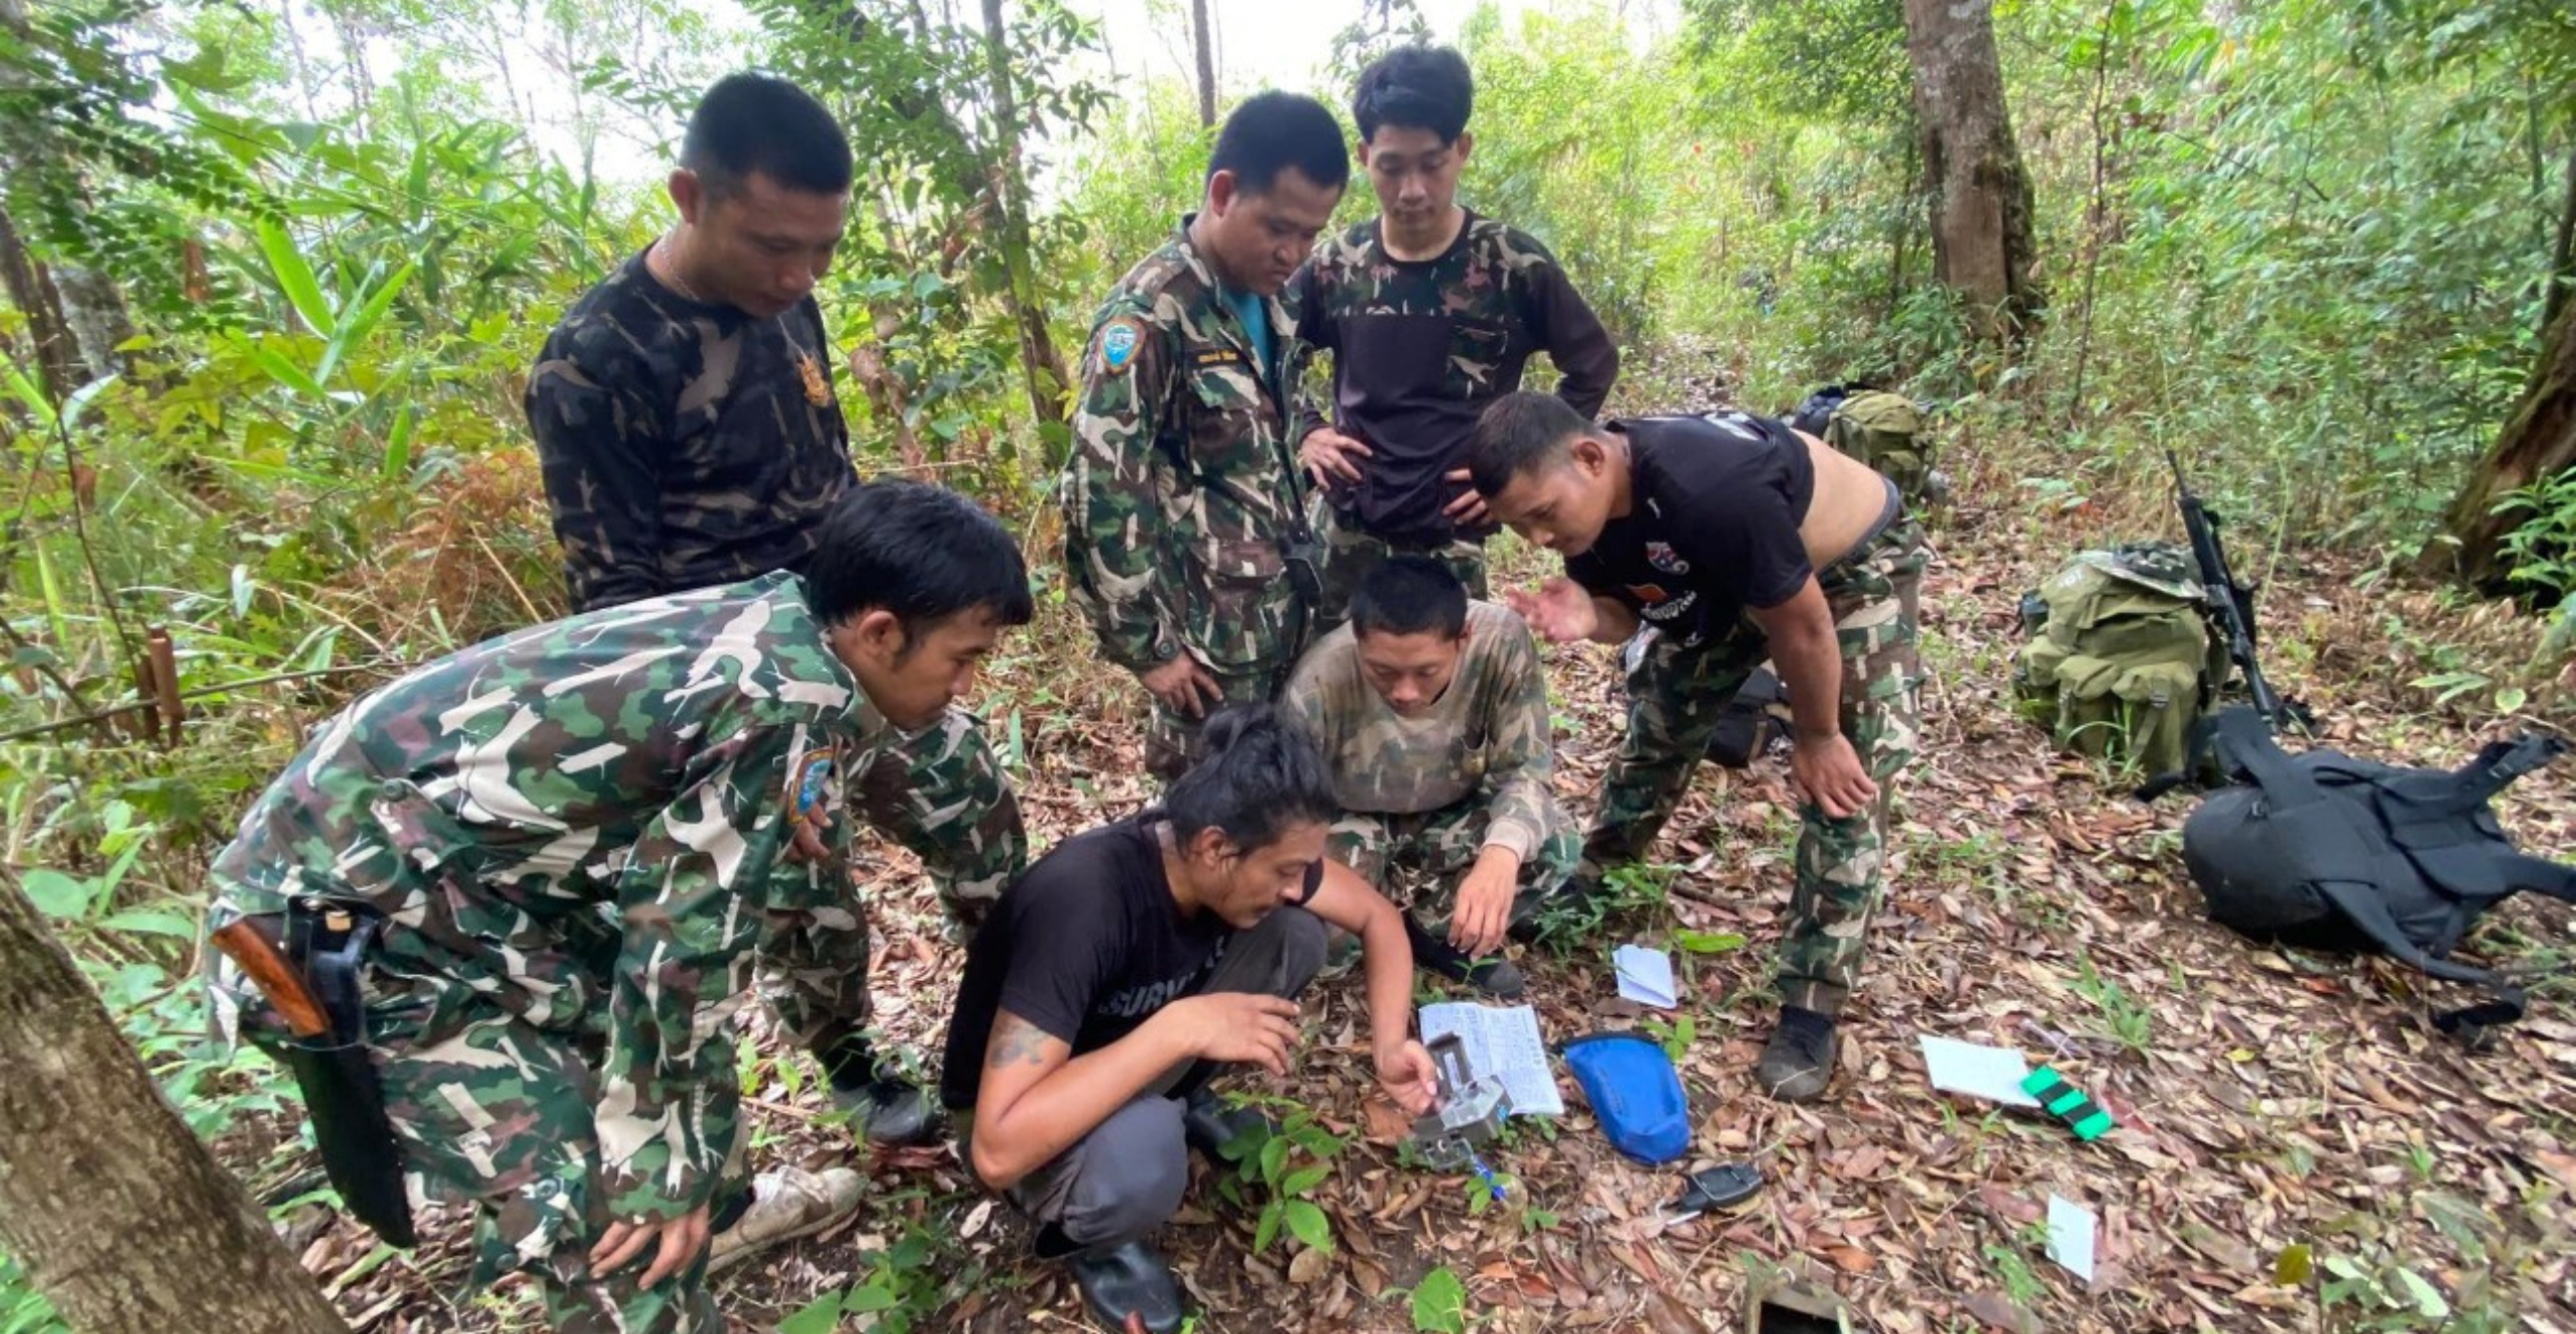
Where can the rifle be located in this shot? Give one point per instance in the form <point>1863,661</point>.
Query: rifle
<point>2231,603</point>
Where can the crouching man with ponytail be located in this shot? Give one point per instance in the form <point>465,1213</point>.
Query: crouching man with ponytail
<point>1136,961</point>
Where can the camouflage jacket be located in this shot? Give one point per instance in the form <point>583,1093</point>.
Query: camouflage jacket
<point>1420,347</point>
<point>1178,496</point>
<point>683,444</point>
<point>582,824</point>
<point>1486,738</point>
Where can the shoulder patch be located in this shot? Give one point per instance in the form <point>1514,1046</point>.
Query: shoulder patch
<point>1119,340</point>
<point>813,780</point>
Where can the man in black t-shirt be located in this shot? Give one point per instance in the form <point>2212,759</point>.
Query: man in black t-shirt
<point>1734,538</point>
<point>1133,962</point>
<point>1430,312</point>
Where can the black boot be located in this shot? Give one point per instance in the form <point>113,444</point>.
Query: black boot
<point>874,1096</point>
<point>1497,977</point>
<point>1208,1125</point>
<point>1127,1281</point>
<point>1798,1062</point>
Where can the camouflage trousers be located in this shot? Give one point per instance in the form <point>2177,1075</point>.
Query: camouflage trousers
<point>496,1114</point>
<point>503,1111</point>
<point>941,793</point>
<point>491,1091</point>
<point>1418,860</point>
<point>1675,699</point>
<point>1350,554</point>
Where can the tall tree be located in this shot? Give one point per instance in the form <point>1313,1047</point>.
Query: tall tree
<point>77,315</point>
<point>2538,441</point>
<point>119,1216</point>
<point>1205,42</point>
<point>1982,241</point>
<point>1042,371</point>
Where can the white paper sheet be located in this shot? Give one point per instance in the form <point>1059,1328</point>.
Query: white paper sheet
<point>1978,1070</point>
<point>2070,1236</point>
<point>1645,976</point>
<point>1501,1041</point>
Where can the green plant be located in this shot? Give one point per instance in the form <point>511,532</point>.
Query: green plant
<point>2124,1017</point>
<point>2014,1271</point>
<point>905,1286</point>
<point>1675,1035</point>
<point>22,1311</point>
<point>1638,888</point>
<point>1288,1161</point>
<point>1439,1303</point>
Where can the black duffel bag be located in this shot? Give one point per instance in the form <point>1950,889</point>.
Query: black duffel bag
<point>2324,851</point>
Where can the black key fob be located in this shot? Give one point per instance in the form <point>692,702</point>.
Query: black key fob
<point>1719,1189</point>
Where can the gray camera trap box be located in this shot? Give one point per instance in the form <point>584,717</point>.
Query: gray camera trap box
<point>1470,1113</point>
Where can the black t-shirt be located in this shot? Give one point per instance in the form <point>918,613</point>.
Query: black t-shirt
<point>1087,944</point>
<point>1712,526</point>
<point>1420,347</point>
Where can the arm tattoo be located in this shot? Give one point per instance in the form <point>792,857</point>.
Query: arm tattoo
<point>1016,1041</point>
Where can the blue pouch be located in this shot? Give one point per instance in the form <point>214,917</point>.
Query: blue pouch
<point>1635,1092</point>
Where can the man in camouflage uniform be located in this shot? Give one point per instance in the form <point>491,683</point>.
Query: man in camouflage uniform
<point>1734,538</point>
<point>574,840</point>
<point>685,418</point>
<point>1431,312</point>
<point>1185,534</point>
<point>1431,713</point>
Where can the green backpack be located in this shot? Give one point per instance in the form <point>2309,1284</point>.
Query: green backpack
<point>2120,662</point>
<point>1885,431</point>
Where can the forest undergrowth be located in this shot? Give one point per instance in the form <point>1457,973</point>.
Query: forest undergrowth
<point>2297,1150</point>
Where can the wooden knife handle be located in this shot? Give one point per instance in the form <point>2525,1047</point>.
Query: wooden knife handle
<point>265,965</point>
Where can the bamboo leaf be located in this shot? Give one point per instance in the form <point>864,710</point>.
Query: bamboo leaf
<point>295,278</point>
<point>287,373</point>
<point>355,329</point>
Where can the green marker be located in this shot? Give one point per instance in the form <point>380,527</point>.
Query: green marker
<point>2067,1103</point>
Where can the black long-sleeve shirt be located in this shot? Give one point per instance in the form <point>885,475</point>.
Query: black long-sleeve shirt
<point>683,444</point>
<point>1421,346</point>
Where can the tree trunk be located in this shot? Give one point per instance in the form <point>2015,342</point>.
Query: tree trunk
<point>1205,40</point>
<point>1042,370</point>
<point>31,290</point>
<point>77,314</point>
<point>2538,441</point>
<point>1982,244</point>
<point>2562,253</point>
<point>118,1215</point>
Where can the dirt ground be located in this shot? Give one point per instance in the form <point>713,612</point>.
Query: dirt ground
<point>2279,1115</point>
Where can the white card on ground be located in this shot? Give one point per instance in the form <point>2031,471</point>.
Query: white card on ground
<point>1501,1041</point>
<point>2070,1236</point>
<point>1978,1070</point>
<point>1645,976</point>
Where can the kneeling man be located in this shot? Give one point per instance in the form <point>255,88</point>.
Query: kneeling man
<point>530,881</point>
<point>1736,538</point>
<point>1432,715</point>
<point>1130,965</point>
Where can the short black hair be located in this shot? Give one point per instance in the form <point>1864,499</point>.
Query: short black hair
<point>918,551</point>
<point>1256,773</point>
<point>1273,131</point>
<point>1520,433</point>
<point>759,123</point>
<point>1407,595</point>
<point>1426,87</point>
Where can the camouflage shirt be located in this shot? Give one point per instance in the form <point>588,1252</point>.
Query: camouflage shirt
<point>683,444</point>
<point>1178,495</point>
<point>1420,347</point>
<point>1486,737</point>
<point>582,824</point>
